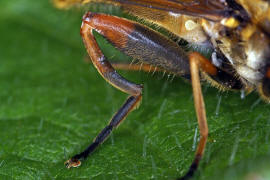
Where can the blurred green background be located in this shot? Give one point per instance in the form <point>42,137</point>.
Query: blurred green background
<point>53,104</point>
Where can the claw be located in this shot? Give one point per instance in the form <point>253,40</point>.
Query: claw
<point>72,163</point>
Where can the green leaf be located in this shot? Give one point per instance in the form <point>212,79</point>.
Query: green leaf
<point>53,104</point>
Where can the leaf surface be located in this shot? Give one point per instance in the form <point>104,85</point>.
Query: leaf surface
<point>53,104</point>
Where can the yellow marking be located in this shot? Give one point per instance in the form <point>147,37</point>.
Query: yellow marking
<point>247,32</point>
<point>230,22</point>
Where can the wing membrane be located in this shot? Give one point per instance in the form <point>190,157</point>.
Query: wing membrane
<point>213,10</point>
<point>210,9</point>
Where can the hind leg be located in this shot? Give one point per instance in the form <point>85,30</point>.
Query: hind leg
<point>110,75</point>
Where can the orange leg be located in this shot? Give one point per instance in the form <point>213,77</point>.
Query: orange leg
<point>136,67</point>
<point>197,62</point>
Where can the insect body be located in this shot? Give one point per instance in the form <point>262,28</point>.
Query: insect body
<point>235,32</point>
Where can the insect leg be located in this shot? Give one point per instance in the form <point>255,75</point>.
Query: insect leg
<point>197,62</point>
<point>133,66</point>
<point>139,42</point>
<point>110,75</point>
<point>131,103</point>
<point>136,67</point>
<point>264,88</point>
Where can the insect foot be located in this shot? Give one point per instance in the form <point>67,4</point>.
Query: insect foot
<point>72,163</point>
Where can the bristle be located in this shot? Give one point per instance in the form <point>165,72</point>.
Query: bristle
<point>154,71</point>
<point>168,76</point>
<point>150,69</point>
<point>131,63</point>
<point>173,76</point>
<point>164,72</point>
<point>141,66</point>
<point>213,83</point>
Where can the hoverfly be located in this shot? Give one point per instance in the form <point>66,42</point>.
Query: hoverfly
<point>237,33</point>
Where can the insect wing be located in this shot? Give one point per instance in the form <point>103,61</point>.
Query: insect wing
<point>212,10</point>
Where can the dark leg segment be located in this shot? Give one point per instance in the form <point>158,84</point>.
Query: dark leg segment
<point>129,105</point>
